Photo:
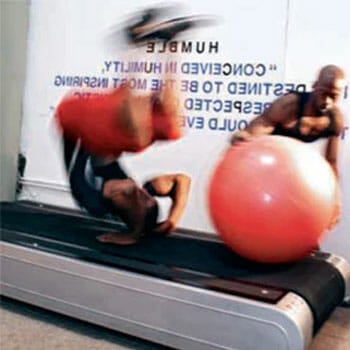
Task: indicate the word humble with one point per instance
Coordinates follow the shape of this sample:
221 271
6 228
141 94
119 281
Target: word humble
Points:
199 47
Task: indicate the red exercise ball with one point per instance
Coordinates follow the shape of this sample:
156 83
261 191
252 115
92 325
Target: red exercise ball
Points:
272 198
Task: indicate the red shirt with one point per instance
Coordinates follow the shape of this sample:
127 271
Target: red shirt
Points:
102 126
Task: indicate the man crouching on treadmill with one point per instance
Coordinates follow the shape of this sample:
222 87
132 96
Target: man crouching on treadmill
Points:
102 187
97 130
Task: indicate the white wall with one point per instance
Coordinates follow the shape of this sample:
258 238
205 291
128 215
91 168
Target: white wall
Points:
67 38
13 41
318 34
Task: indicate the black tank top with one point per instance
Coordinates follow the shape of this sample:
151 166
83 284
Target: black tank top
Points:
294 132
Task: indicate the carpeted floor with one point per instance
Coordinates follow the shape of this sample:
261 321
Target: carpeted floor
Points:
24 327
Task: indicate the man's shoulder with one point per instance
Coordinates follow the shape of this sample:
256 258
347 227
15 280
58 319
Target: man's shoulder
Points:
338 117
286 105
338 112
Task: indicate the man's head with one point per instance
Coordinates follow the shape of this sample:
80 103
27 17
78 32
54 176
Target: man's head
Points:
328 88
133 204
143 208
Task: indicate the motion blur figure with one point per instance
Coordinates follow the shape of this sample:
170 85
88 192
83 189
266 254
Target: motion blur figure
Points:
98 129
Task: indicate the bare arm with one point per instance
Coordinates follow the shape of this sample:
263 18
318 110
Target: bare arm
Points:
333 144
280 111
332 151
332 156
177 187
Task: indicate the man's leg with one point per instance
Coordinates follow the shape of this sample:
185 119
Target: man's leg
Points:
148 16
139 106
83 188
137 113
149 30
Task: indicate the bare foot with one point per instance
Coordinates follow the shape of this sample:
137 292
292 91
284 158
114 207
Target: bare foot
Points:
117 238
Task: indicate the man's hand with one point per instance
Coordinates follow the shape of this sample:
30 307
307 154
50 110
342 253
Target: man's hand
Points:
336 216
164 228
337 212
239 136
177 187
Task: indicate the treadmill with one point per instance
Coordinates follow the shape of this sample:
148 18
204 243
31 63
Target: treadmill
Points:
185 291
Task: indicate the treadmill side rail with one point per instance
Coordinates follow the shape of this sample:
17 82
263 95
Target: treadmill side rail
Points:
343 267
165 312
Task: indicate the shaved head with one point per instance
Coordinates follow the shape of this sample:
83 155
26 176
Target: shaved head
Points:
329 76
328 88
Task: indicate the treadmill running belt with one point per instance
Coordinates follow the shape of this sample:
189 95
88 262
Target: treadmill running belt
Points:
203 256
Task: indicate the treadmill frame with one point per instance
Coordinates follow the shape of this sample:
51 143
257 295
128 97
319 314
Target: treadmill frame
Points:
165 312
175 313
